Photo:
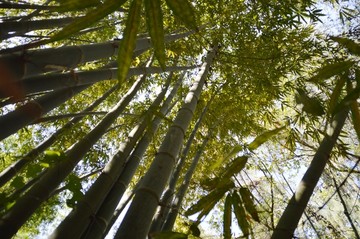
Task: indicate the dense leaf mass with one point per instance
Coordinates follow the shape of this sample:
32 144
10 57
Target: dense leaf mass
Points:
198 117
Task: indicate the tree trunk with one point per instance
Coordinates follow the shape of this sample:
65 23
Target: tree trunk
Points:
26 26
27 204
105 212
168 195
137 221
297 204
54 118
70 79
174 208
24 115
11 171
34 62
79 219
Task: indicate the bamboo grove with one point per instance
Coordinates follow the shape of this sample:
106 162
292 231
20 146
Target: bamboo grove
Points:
179 119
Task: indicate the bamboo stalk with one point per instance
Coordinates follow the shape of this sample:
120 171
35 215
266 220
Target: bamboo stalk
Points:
26 205
78 220
137 220
297 204
103 218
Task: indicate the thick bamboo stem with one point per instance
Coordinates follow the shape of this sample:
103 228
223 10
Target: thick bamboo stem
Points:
24 115
137 221
12 170
297 204
64 80
19 28
79 219
105 213
26 205
34 62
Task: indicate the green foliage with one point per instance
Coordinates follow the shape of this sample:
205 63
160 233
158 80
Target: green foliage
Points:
52 157
259 140
128 43
194 230
33 170
352 96
184 10
247 199
225 175
330 70
335 96
206 204
76 5
355 113
75 187
311 105
240 214
154 20
351 45
18 182
89 19
265 54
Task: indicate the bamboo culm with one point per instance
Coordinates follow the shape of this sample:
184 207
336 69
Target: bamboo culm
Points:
105 212
26 205
137 221
177 201
297 204
79 219
169 193
34 109
26 26
64 80
12 170
34 62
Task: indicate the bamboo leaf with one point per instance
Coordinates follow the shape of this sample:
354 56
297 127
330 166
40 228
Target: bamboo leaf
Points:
352 46
247 198
195 230
33 170
74 186
184 11
89 19
18 182
155 25
208 202
227 217
52 156
168 235
206 211
204 203
334 98
240 214
330 70
235 150
352 96
128 43
235 167
311 105
355 113
264 137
